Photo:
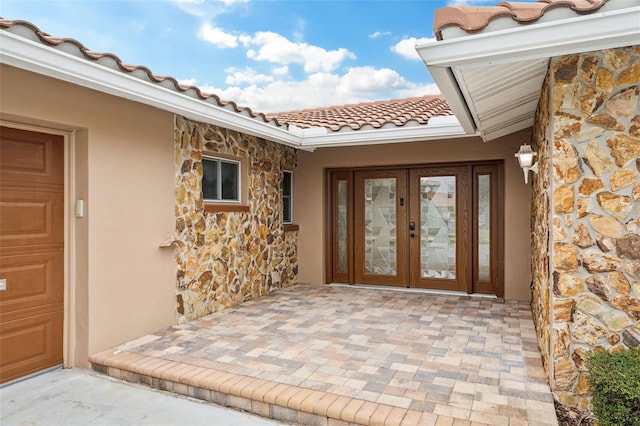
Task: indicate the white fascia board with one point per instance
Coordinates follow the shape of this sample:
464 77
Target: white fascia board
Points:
598 31
32 56
451 91
308 131
386 136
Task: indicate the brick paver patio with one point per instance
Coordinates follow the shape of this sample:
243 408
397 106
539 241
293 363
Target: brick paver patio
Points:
338 355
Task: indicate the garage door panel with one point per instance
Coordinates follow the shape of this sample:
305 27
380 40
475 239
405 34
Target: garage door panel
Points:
31 217
31 344
31 251
31 280
33 156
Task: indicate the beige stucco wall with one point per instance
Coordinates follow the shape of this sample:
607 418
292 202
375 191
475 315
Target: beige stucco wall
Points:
122 284
309 201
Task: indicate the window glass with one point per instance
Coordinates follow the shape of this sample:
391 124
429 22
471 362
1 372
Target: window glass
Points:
484 227
229 174
220 179
209 179
342 226
287 184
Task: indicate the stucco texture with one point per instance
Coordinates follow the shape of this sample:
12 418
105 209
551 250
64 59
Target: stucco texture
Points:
119 158
310 204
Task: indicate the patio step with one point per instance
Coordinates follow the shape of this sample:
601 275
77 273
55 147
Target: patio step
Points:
278 401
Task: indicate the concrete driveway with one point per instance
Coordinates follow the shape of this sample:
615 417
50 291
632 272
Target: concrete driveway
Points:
77 397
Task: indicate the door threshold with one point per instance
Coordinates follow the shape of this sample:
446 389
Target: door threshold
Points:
415 290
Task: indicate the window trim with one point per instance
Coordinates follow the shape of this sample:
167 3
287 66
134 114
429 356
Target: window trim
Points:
222 202
218 206
290 196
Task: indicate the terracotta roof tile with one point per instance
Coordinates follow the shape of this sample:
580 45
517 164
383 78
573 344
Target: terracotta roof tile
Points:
475 18
378 114
110 60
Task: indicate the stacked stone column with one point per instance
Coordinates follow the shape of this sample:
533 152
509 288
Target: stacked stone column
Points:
587 134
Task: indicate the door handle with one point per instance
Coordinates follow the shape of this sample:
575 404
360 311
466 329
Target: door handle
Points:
412 226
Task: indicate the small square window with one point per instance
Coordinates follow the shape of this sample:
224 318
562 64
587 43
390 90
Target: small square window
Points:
220 179
287 192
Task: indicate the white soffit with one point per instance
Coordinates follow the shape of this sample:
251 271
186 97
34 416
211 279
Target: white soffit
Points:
503 97
492 80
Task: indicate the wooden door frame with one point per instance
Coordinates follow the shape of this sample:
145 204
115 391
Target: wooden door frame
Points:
500 231
331 230
496 247
400 279
75 302
463 228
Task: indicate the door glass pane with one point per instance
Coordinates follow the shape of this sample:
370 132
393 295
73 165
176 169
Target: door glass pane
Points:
380 226
342 226
438 227
484 227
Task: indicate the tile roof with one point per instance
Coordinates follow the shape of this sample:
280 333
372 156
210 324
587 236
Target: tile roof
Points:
30 31
475 18
368 115
354 117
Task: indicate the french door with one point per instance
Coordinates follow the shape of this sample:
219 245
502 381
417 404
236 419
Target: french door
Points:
434 227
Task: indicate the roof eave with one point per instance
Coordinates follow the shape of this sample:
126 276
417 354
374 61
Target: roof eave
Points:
597 31
22 53
439 128
32 56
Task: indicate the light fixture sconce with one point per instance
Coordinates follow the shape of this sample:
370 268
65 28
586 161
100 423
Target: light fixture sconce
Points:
525 158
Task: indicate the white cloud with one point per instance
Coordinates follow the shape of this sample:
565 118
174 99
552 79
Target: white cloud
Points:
217 37
298 33
407 47
192 7
378 34
187 82
324 89
273 47
371 82
245 76
207 9
232 2
280 71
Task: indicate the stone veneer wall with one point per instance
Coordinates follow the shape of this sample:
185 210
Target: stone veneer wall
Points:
226 258
540 191
592 133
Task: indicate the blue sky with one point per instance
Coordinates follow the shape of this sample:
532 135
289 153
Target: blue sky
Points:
268 55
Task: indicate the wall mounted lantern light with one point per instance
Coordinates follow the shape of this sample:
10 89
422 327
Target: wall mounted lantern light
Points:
525 158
